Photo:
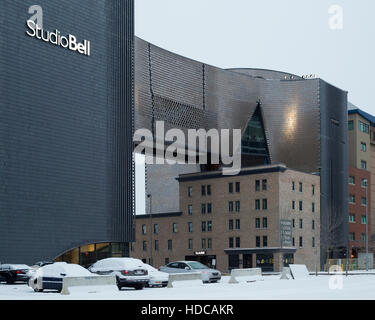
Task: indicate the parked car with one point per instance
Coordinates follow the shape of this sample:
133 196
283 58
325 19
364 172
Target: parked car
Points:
11 273
208 274
50 276
129 272
157 278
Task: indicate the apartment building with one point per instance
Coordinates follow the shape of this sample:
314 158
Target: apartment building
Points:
267 216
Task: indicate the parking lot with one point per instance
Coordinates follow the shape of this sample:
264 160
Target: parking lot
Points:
360 287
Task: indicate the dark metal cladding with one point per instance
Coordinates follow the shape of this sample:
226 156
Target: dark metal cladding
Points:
66 169
296 114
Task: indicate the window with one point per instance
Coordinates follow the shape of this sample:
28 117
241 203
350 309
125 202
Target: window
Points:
293 205
231 243
203 226
350 125
203 208
351 236
351 180
209 243
174 227
300 187
294 223
264 223
264 184
190 227
156 228
257 185
293 242
300 206
208 189
156 245
144 245
257 204
363 201
230 203
352 217
363 219
293 186
190 210
209 207
169 244
144 229
203 190
190 244
300 242
363 165
190 191
203 243
237 206
257 223
238 242
230 187
363 147
257 241
363 127
352 198
300 223
313 207
237 187
313 225
363 236
264 204
364 183
238 224
313 242
230 224
209 226
264 241
313 189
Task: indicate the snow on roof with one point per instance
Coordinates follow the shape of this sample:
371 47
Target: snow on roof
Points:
59 268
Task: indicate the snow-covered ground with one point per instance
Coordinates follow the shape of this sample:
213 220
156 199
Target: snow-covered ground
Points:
353 287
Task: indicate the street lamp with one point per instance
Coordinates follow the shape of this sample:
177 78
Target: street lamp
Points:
150 197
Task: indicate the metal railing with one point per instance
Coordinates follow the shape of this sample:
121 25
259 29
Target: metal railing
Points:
347 264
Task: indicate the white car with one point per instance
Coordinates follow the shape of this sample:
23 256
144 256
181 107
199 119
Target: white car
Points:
157 278
129 272
50 277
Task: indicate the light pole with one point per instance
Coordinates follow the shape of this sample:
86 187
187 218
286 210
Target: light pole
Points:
366 181
150 197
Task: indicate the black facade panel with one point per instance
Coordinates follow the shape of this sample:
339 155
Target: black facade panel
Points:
66 121
334 171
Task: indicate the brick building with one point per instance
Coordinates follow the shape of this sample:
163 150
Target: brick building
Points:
267 216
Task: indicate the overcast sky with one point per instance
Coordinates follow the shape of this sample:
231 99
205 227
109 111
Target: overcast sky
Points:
286 35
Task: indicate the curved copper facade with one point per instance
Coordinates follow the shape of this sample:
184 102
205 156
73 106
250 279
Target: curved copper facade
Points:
300 116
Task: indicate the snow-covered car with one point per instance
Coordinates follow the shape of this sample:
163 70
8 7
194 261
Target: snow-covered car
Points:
208 274
157 278
129 272
12 273
50 276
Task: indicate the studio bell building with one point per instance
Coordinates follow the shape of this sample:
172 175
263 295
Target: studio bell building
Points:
75 83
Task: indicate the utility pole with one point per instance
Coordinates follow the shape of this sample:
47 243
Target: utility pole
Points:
150 196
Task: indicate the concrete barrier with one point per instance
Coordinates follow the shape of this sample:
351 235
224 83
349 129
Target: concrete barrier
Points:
285 275
184 279
245 275
299 271
92 284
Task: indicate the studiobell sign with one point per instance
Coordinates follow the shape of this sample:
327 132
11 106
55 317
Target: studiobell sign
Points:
68 42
